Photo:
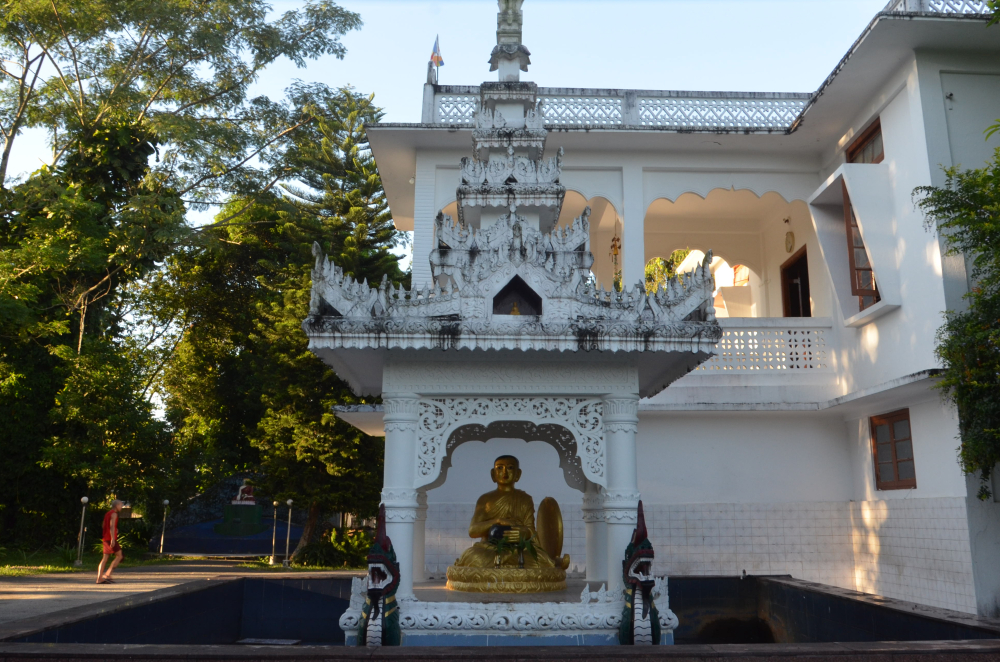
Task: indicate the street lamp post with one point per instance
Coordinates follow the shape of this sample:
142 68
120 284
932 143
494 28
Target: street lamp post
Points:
79 538
274 534
288 536
163 531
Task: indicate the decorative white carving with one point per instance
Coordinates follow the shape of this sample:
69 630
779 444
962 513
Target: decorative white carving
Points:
440 417
767 113
457 313
511 170
728 113
393 497
457 108
625 409
980 7
601 595
597 612
586 111
400 426
396 514
620 507
765 349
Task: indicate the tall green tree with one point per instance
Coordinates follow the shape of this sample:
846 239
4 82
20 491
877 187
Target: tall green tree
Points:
147 110
967 211
242 384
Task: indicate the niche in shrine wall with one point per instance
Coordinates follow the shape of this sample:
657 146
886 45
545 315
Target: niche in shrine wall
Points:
469 475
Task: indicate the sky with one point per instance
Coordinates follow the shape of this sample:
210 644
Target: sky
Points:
731 45
714 45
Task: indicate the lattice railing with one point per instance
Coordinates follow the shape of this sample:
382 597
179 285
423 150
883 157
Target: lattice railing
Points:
768 349
719 113
583 111
456 108
607 108
939 6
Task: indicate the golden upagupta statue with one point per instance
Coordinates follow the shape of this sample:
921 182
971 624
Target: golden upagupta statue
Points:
507 506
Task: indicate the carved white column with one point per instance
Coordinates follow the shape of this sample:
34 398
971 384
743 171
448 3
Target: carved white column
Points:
398 495
597 533
621 420
420 539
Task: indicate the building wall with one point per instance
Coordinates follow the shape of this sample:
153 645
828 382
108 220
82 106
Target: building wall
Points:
762 492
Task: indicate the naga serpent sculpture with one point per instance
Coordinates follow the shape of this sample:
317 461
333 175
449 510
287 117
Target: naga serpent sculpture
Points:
379 625
640 618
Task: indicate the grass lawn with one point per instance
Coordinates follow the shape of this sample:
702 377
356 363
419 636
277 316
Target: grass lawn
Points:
263 563
18 563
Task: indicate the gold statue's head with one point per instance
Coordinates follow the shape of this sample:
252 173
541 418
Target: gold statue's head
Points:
506 471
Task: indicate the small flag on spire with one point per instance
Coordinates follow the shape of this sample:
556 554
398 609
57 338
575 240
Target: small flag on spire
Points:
436 58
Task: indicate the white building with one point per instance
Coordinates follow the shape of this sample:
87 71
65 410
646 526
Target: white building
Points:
813 442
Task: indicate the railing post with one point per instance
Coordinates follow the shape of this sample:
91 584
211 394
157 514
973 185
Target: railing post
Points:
630 109
428 114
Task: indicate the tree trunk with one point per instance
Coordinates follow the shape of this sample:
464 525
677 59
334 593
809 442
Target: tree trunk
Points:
309 529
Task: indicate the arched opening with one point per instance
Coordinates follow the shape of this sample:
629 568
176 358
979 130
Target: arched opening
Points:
517 298
751 237
605 225
737 287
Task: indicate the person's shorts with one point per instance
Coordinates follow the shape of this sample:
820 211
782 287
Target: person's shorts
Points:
109 548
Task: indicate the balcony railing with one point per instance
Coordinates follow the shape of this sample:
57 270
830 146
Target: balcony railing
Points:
770 345
690 111
939 6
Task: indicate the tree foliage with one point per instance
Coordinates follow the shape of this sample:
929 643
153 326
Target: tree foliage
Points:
659 270
967 211
243 386
147 108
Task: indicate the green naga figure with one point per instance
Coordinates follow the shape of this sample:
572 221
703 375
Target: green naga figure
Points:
640 619
379 624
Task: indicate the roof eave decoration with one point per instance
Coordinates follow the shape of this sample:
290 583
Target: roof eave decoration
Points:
470 268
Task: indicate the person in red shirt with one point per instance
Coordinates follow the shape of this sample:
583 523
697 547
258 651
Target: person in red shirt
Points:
109 542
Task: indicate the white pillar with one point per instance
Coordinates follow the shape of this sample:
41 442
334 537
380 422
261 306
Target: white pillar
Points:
398 495
597 534
621 420
633 227
420 539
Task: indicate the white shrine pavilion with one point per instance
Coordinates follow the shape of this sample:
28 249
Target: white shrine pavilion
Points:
774 408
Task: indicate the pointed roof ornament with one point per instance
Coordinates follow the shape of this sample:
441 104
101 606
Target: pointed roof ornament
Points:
381 539
639 533
510 57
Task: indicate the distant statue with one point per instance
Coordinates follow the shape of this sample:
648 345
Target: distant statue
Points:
244 496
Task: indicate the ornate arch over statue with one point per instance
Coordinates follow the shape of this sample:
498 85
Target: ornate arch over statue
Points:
573 426
558 436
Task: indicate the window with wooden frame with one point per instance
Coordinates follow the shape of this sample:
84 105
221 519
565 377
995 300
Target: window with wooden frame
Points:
867 148
892 449
863 283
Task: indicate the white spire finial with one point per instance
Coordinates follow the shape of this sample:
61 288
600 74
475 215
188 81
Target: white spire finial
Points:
510 56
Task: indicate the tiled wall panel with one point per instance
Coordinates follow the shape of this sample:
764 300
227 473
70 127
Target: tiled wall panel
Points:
914 549
910 549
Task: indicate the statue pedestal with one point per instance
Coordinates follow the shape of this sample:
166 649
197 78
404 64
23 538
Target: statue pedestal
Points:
506 580
575 616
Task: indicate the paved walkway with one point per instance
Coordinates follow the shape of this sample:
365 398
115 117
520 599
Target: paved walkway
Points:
27 597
